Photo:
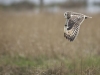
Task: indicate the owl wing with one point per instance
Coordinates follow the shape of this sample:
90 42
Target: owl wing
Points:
72 26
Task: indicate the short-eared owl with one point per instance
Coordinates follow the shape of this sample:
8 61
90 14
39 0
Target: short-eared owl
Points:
72 25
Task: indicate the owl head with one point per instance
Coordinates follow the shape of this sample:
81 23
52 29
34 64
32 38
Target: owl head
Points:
67 14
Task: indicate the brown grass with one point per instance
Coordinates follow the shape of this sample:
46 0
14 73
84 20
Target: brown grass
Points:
34 36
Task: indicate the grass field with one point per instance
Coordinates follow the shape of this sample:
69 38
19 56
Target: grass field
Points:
34 44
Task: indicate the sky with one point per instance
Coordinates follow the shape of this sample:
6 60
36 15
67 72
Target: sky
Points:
90 3
7 2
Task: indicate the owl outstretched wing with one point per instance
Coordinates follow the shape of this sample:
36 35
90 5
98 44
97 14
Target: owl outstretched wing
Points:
72 26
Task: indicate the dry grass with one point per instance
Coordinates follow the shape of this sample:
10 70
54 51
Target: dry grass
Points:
28 40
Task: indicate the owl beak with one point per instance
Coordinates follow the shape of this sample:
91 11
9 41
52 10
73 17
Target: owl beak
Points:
65 16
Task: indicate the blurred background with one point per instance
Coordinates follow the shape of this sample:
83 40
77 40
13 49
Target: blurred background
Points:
32 40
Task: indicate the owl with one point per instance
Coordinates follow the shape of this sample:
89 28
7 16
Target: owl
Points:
72 24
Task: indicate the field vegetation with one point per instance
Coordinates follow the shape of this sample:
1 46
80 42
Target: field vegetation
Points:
34 44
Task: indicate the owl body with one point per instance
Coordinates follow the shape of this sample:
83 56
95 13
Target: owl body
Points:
72 24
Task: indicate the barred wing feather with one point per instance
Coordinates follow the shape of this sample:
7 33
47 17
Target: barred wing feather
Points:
72 26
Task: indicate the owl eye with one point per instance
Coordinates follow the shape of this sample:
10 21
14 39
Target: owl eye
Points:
65 14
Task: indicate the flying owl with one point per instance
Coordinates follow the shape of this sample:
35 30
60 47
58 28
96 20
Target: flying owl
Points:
72 24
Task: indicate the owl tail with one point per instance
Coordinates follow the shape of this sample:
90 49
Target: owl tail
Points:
87 17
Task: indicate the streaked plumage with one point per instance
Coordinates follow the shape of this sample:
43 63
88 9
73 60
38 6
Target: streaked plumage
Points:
72 25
